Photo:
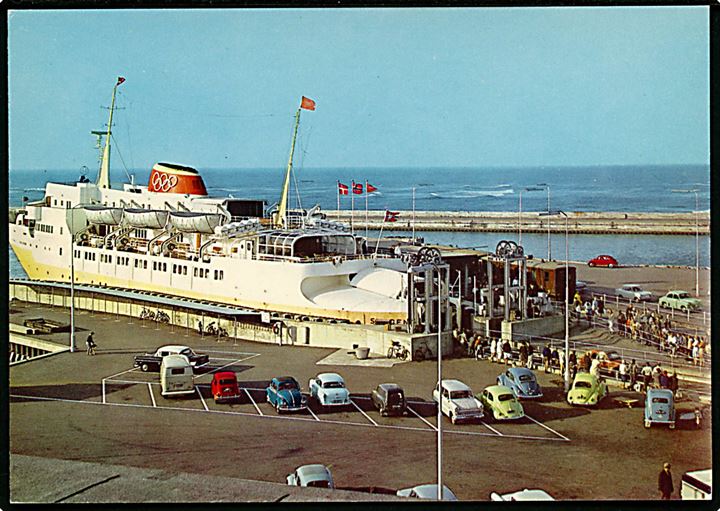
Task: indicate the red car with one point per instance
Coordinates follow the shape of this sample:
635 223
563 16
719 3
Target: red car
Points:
224 386
603 260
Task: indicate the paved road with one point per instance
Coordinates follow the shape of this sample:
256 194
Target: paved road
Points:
573 453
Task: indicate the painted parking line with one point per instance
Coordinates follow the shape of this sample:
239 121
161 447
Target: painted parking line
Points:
284 417
236 353
362 412
121 372
313 414
152 396
491 428
422 418
548 428
202 399
253 402
234 361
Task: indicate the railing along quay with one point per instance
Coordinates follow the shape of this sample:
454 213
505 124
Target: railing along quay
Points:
532 222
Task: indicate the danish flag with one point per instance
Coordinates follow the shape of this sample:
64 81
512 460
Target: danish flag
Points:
391 216
342 189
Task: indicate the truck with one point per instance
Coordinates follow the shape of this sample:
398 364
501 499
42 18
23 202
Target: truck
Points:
151 361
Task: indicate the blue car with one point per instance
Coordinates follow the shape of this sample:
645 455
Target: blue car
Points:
659 408
285 395
522 382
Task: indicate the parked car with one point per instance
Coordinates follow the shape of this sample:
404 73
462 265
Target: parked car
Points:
176 376
587 390
426 491
522 495
317 476
633 292
603 260
458 401
152 361
679 300
329 390
224 387
522 382
501 401
389 399
659 408
285 395
609 361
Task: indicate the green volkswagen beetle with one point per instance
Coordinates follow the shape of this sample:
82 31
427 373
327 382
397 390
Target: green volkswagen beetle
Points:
587 390
502 402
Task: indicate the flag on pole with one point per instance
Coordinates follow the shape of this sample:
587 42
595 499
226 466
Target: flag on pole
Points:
307 103
120 80
357 188
369 188
391 216
342 189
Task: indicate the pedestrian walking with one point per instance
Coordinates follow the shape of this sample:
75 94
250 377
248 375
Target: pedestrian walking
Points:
506 352
633 370
523 354
493 349
546 357
200 327
622 372
595 367
90 343
665 483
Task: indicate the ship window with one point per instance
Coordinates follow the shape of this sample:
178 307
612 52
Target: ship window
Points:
144 265
184 270
164 266
109 259
68 204
221 274
174 268
195 272
61 230
62 203
207 272
154 265
60 250
215 275
55 202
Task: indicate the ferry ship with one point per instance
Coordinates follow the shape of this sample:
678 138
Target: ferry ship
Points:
171 237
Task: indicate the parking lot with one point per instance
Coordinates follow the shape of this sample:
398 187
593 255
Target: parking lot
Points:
100 409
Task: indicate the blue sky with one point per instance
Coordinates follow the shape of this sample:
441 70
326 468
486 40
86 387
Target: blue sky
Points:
401 87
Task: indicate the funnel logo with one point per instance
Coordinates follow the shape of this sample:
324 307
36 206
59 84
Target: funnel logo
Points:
162 182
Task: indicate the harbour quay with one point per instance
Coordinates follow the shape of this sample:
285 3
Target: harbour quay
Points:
579 222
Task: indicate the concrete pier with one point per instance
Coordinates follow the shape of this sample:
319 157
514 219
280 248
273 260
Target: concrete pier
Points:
579 222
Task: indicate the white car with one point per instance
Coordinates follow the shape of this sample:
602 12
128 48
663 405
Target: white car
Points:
633 292
426 491
522 495
329 390
458 401
317 476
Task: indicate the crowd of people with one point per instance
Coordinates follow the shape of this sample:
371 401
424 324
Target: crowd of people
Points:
643 326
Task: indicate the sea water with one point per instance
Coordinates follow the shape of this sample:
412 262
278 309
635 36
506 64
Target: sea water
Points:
600 188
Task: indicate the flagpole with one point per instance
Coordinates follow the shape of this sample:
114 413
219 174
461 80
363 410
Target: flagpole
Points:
413 218
366 209
352 207
377 245
338 200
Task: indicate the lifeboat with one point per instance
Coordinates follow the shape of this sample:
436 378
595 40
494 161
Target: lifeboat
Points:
103 215
146 218
173 178
204 223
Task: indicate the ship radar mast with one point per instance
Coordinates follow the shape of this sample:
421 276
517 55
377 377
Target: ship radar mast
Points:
103 180
281 215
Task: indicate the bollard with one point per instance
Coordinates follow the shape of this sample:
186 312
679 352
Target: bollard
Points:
703 317
688 315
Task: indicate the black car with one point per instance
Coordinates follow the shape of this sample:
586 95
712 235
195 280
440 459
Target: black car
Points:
389 399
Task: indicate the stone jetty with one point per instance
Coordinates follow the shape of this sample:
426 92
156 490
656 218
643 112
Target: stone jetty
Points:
579 222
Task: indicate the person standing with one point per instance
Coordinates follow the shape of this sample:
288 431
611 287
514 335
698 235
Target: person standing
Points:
493 348
622 372
633 373
90 343
546 357
200 327
665 483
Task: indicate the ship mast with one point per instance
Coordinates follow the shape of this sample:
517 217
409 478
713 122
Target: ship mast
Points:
281 218
103 180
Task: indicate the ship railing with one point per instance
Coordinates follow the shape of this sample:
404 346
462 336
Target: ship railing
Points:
319 259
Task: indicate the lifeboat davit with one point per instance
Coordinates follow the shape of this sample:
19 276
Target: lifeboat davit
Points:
173 178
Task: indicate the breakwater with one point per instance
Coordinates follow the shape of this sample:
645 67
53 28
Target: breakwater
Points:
578 222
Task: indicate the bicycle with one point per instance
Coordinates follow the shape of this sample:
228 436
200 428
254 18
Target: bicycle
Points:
398 351
162 317
423 352
219 331
147 314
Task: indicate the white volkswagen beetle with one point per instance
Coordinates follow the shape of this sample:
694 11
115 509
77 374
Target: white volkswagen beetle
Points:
316 475
458 401
329 390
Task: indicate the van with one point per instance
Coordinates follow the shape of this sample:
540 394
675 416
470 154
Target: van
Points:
176 376
697 485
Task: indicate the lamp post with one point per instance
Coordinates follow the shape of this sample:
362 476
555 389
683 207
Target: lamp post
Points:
439 371
547 186
697 238
529 189
566 376
73 232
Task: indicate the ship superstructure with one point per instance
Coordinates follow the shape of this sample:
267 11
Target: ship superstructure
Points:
171 237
